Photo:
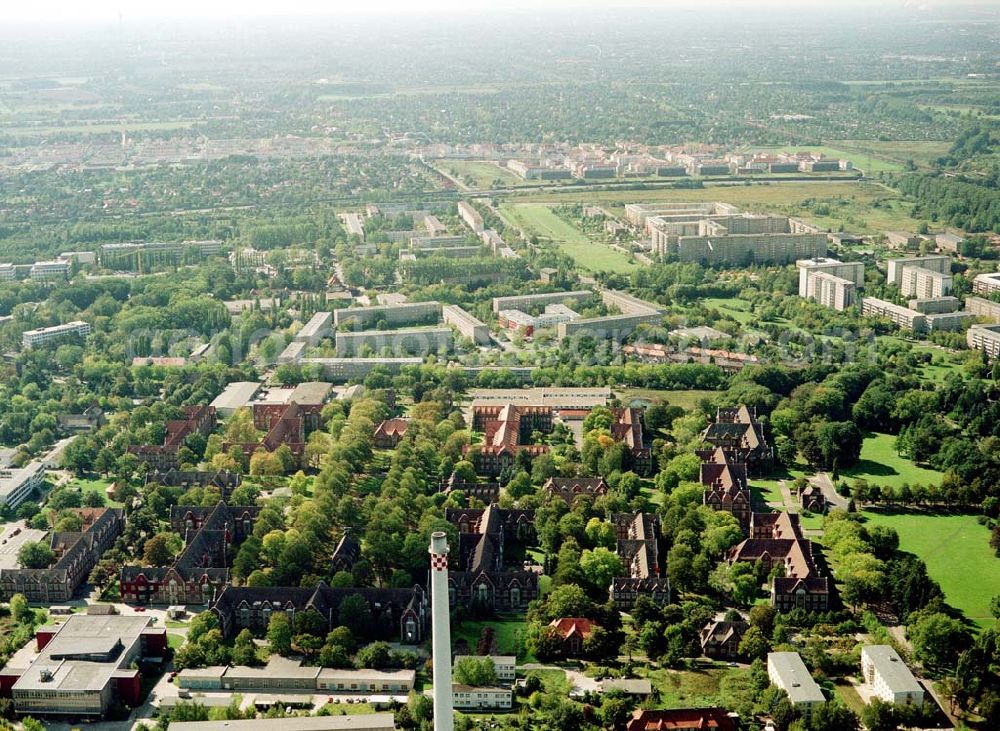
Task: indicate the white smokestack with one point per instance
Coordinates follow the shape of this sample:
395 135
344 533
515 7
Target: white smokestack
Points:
444 714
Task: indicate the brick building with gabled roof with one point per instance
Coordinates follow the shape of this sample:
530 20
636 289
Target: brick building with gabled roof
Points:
638 547
395 613
212 534
568 489
724 477
390 432
681 719
197 419
574 631
737 429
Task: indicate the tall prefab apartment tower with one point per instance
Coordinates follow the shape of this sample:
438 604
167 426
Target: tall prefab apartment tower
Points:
444 714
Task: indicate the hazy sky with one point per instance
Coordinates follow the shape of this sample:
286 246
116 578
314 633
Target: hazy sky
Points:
105 10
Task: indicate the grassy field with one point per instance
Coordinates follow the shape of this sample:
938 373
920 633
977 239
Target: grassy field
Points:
921 152
174 640
506 628
957 552
687 400
684 688
737 309
880 464
538 219
860 160
483 173
861 207
97 485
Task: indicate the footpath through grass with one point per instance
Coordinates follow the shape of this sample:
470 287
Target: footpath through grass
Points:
956 549
538 219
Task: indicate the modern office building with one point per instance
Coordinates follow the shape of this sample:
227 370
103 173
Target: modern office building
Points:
467 325
17 484
901 316
283 675
895 267
984 338
84 665
32 338
787 671
889 678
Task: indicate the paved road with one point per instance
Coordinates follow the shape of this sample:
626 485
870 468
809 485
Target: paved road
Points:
579 680
823 481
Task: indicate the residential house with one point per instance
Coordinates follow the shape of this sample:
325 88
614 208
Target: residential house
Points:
574 632
720 640
89 419
390 432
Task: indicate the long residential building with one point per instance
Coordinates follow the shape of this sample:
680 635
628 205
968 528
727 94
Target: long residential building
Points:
353 722
983 308
889 678
471 216
410 313
39 336
787 671
986 283
467 325
830 282
985 338
410 341
356 369
534 301
49 270
923 283
638 214
282 674
901 316
316 329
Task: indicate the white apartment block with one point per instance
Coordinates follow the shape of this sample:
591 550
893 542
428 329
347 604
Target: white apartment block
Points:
17 485
787 671
504 665
853 271
924 283
986 283
889 678
31 338
894 267
468 697
48 270
984 338
901 316
527 301
983 308
8 272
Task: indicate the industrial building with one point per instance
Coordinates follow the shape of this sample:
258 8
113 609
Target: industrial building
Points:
410 313
901 316
84 666
411 341
283 674
984 338
77 328
234 397
467 325
787 671
889 678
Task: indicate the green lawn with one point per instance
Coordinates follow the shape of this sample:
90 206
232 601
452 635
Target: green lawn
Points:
696 688
538 219
737 309
483 173
880 464
174 640
858 156
957 552
506 628
98 485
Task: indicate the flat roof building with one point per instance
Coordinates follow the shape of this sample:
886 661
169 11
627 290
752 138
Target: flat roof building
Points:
350 369
890 680
986 283
84 666
356 722
235 396
77 328
937 305
17 484
983 308
318 327
467 325
531 301
853 271
901 316
924 283
408 341
984 338
894 267
787 671
471 216
410 313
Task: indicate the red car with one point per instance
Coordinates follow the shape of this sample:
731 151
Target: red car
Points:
140 609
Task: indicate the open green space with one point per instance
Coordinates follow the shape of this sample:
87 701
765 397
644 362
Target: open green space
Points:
956 549
93 484
880 464
694 688
738 309
511 633
868 163
485 174
687 400
538 219
922 152
174 640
